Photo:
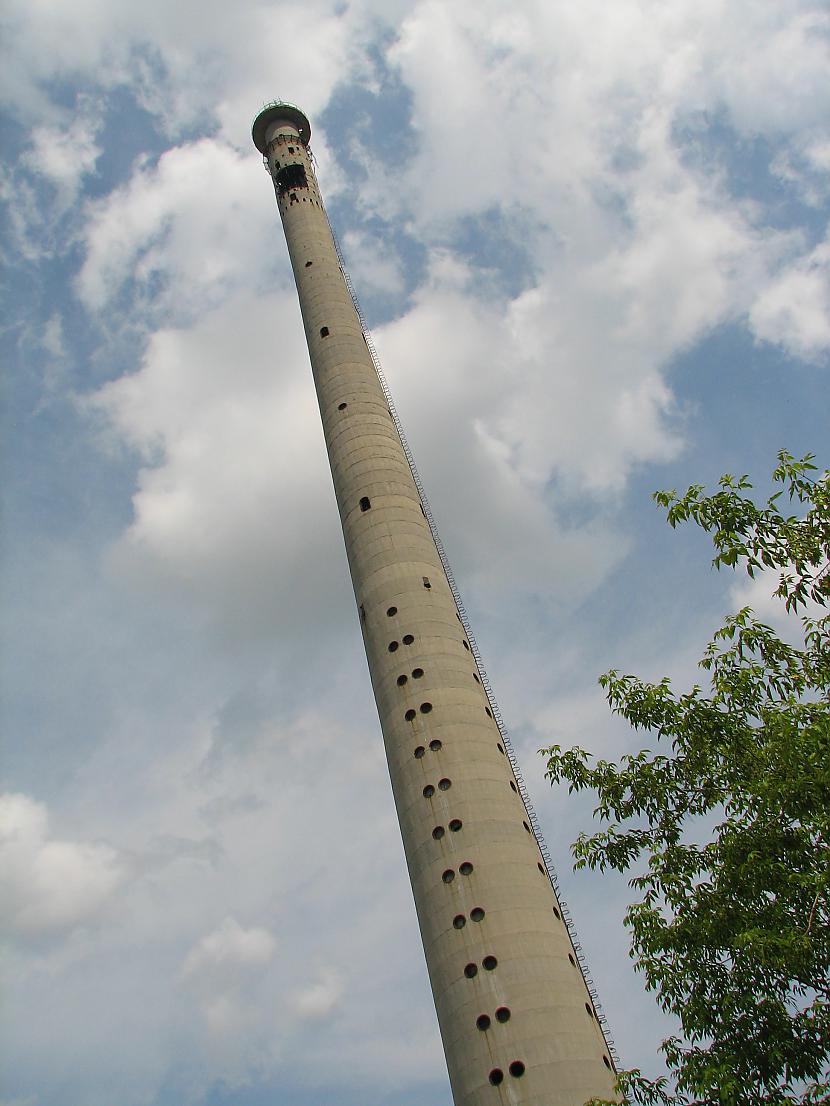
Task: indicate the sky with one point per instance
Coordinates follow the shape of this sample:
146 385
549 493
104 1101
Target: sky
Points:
591 241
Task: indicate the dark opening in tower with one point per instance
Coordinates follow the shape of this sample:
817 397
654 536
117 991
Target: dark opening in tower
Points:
289 177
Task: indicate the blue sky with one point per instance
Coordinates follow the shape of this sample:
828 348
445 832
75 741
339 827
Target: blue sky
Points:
592 244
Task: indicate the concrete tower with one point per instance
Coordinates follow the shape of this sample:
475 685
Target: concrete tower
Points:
517 1019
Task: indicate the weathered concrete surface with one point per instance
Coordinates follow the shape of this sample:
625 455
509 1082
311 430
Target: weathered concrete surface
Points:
480 887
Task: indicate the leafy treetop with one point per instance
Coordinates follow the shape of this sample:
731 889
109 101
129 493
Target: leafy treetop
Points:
728 821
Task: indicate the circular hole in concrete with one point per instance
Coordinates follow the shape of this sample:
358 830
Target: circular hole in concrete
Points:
455 825
470 970
410 715
489 963
477 914
402 680
503 1014
417 673
482 1022
438 832
429 791
407 639
466 868
459 921
391 611
496 1076
516 1069
341 406
444 784
426 708
435 745
419 752
448 876
392 646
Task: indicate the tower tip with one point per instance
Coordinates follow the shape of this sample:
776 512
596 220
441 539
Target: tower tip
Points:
273 112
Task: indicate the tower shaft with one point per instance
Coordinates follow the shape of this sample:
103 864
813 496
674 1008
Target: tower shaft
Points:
516 1019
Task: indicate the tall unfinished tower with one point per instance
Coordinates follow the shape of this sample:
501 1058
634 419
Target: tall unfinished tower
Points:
518 1020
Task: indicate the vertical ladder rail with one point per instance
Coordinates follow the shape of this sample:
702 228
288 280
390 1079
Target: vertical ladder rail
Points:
485 682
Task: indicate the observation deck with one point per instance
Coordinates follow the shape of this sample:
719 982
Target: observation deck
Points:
272 113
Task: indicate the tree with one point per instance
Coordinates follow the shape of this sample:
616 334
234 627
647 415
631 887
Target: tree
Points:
726 820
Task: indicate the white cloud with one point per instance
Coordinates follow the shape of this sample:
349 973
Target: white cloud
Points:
66 150
319 999
215 971
637 251
372 263
49 886
191 221
793 310
189 63
233 507
229 949
569 88
226 972
805 171
25 216
818 154
682 266
53 337
531 393
778 83
458 425
642 258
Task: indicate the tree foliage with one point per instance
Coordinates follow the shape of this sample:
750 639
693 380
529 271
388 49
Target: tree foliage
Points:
726 820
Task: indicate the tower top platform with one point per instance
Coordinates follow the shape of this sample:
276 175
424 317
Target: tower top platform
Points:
271 113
